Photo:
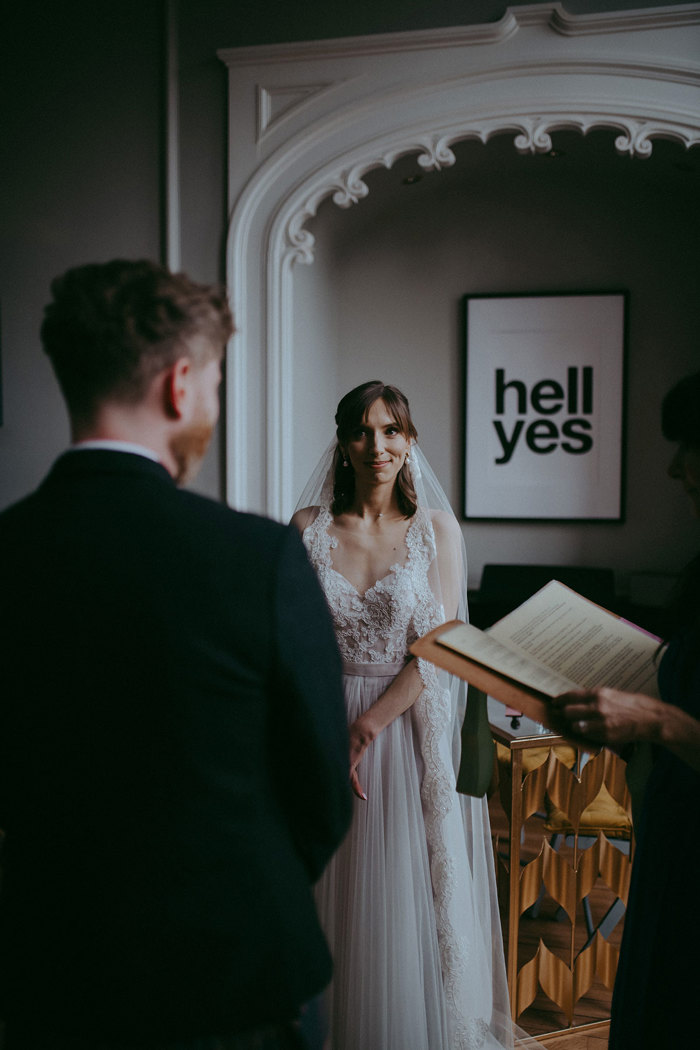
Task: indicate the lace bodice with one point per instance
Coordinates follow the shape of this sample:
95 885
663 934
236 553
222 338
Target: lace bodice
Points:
378 626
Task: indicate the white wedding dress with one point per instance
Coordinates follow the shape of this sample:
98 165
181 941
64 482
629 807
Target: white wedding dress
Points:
408 901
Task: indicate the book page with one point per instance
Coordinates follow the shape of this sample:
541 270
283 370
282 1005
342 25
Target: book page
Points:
557 640
485 649
581 641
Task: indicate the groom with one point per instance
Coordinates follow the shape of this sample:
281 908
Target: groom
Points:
173 750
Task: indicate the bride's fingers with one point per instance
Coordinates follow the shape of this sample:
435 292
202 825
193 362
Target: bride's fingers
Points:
356 786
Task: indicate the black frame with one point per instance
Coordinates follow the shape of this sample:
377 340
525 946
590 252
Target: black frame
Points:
479 360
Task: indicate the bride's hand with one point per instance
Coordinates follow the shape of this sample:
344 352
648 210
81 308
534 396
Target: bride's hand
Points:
361 736
356 785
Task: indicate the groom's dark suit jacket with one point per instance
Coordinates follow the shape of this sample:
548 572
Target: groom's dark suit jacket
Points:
173 758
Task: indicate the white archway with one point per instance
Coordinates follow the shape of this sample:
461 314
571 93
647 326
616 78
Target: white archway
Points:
311 120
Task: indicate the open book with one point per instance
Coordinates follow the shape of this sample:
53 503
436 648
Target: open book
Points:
555 641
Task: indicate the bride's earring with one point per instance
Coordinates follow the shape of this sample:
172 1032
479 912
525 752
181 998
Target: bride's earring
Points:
345 463
408 458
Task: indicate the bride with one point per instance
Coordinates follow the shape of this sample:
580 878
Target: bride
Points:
408 902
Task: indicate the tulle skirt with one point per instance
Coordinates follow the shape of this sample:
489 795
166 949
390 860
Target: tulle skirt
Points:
376 905
375 899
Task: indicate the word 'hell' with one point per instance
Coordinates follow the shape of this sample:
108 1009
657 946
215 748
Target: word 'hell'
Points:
547 398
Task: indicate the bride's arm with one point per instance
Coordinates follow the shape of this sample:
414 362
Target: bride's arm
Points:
401 694
408 684
303 518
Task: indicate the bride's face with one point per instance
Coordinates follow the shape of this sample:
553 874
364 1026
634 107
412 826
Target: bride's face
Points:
377 447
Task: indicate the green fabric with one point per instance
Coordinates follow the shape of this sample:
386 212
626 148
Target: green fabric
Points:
478 748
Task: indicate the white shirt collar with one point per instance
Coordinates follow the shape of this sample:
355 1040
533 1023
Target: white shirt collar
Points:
116 446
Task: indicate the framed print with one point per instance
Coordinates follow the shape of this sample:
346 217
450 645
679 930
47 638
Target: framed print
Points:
545 406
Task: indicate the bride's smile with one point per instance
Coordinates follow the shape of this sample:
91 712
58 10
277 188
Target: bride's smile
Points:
377 448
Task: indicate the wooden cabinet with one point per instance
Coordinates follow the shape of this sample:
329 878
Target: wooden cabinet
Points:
567 848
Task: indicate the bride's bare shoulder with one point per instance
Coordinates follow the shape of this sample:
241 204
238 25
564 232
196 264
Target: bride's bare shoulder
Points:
445 525
304 517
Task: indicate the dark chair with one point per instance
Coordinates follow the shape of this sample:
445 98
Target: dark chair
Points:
505 587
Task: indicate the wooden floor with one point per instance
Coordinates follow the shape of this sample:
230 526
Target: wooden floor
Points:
578 1040
543 1019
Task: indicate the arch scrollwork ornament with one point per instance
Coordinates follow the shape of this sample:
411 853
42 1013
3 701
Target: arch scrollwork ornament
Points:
538 70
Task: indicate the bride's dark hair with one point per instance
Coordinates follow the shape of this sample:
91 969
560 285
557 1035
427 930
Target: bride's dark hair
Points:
351 414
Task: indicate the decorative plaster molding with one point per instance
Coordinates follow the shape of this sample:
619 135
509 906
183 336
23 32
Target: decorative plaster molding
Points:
637 136
350 188
344 181
376 44
436 155
635 140
650 18
344 178
276 103
541 83
299 242
553 16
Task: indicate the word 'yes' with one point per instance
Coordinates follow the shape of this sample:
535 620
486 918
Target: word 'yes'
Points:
547 398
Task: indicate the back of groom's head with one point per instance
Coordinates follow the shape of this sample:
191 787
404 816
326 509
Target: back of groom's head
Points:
111 327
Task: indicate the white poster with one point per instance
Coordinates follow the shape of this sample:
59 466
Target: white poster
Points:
545 406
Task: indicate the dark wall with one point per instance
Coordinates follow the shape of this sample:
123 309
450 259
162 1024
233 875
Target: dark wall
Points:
81 161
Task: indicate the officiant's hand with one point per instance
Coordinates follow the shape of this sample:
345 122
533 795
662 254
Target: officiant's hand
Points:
608 716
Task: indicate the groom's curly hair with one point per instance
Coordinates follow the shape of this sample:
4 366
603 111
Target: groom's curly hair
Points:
352 412
113 326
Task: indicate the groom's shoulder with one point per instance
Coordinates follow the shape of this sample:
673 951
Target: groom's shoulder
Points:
13 518
218 517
